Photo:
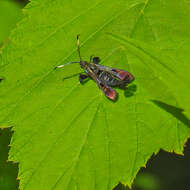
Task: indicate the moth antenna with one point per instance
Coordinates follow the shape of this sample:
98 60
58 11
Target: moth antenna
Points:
60 66
78 46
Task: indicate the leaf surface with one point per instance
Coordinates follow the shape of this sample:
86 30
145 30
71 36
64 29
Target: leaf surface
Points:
10 14
70 136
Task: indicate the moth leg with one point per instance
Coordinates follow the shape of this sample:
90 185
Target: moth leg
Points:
96 60
123 85
82 77
91 58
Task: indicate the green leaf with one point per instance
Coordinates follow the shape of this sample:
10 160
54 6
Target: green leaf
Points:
70 136
10 14
171 73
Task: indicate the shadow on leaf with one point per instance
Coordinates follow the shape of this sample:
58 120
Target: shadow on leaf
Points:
175 111
130 91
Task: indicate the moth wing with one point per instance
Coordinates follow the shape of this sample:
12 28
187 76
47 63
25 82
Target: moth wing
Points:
108 91
123 75
119 73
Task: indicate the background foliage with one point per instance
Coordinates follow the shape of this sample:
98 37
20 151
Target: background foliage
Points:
150 63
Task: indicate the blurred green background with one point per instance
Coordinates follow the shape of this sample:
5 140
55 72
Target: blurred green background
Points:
165 171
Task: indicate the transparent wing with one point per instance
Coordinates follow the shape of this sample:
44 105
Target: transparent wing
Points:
119 73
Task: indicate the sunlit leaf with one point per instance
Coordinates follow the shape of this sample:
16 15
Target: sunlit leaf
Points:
70 136
10 14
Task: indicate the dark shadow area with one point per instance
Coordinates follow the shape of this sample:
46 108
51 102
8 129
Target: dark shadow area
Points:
175 111
2 79
8 170
130 91
77 78
22 2
165 171
120 186
85 81
71 76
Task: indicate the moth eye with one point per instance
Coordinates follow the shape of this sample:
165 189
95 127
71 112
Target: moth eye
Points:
96 60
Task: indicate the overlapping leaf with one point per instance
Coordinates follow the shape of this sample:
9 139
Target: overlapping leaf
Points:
69 136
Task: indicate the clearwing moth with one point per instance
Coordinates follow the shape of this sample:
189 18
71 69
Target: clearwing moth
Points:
105 77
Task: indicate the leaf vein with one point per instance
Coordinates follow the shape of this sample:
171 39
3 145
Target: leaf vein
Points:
76 160
108 147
